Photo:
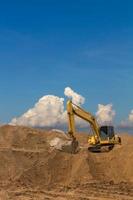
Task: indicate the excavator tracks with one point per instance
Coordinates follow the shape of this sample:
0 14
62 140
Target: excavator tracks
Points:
101 148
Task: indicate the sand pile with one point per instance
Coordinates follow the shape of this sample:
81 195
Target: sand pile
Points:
28 161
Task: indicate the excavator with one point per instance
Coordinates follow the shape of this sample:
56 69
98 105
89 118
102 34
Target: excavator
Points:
102 138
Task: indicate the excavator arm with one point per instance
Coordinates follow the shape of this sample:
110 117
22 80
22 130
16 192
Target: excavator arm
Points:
72 110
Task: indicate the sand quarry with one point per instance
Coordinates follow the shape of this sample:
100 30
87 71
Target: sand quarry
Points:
31 169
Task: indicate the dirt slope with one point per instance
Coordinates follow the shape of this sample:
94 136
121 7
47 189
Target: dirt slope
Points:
31 169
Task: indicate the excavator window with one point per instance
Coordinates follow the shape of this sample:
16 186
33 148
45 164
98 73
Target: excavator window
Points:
107 131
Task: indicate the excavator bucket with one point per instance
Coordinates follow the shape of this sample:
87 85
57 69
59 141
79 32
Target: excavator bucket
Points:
65 144
71 147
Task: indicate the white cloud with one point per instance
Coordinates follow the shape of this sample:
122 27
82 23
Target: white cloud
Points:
76 98
49 111
127 123
130 117
105 114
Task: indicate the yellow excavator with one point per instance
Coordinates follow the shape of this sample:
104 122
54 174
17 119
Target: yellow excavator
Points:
102 137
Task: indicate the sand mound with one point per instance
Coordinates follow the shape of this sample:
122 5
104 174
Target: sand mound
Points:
28 161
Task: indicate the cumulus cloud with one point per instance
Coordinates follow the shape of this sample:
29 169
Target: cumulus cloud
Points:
49 111
76 98
130 117
105 114
127 123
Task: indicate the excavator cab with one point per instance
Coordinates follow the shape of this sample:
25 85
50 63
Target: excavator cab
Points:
107 140
107 132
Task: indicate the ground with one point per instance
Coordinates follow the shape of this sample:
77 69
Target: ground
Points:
31 169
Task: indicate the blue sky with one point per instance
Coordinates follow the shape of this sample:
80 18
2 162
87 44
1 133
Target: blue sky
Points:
46 45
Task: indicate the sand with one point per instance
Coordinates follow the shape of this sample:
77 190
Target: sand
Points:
31 169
